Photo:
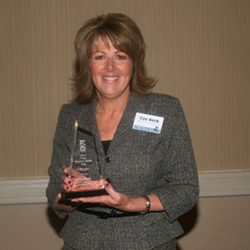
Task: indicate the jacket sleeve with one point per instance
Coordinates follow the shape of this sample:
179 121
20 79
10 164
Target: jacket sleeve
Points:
179 189
58 161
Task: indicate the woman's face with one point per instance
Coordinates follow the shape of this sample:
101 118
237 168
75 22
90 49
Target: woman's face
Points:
111 71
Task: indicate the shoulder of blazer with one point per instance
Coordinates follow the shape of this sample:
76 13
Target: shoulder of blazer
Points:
155 103
68 114
71 109
159 98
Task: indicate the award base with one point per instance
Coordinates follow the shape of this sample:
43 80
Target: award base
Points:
83 193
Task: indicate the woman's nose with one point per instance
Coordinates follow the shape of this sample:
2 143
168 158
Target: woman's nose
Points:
110 65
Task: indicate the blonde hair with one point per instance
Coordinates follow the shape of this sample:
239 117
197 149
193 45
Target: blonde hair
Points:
125 36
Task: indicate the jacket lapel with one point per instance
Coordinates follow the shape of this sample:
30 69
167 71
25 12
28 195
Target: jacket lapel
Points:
126 123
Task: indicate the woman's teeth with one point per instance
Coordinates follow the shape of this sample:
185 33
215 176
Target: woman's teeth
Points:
111 78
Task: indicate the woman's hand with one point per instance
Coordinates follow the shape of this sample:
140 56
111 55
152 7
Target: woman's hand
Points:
121 201
70 184
113 199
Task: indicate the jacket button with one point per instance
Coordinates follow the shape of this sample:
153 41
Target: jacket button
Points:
107 159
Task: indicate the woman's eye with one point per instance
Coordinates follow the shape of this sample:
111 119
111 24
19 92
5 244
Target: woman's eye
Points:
121 57
98 57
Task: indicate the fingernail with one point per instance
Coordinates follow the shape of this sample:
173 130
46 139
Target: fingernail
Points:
107 184
69 182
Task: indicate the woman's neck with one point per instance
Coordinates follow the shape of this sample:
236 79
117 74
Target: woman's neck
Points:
108 116
110 107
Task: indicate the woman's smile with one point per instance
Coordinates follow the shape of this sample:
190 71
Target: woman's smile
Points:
110 78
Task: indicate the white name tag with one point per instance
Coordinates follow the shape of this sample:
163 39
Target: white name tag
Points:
148 123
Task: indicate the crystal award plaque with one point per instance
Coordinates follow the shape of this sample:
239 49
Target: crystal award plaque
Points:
85 170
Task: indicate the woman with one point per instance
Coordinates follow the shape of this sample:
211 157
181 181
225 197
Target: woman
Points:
142 141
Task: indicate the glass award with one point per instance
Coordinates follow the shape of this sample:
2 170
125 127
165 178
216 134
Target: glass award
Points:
85 170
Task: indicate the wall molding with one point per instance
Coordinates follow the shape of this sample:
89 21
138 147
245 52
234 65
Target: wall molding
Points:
212 184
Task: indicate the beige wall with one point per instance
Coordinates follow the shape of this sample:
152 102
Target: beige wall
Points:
199 50
221 223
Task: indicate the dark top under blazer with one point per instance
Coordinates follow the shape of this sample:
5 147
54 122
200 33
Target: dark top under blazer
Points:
140 163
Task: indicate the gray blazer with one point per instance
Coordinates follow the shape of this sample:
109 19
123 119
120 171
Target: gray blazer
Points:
139 163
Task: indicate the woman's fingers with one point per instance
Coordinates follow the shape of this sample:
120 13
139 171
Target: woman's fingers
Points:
76 180
113 199
72 172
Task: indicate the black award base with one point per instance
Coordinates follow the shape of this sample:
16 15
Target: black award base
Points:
78 194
